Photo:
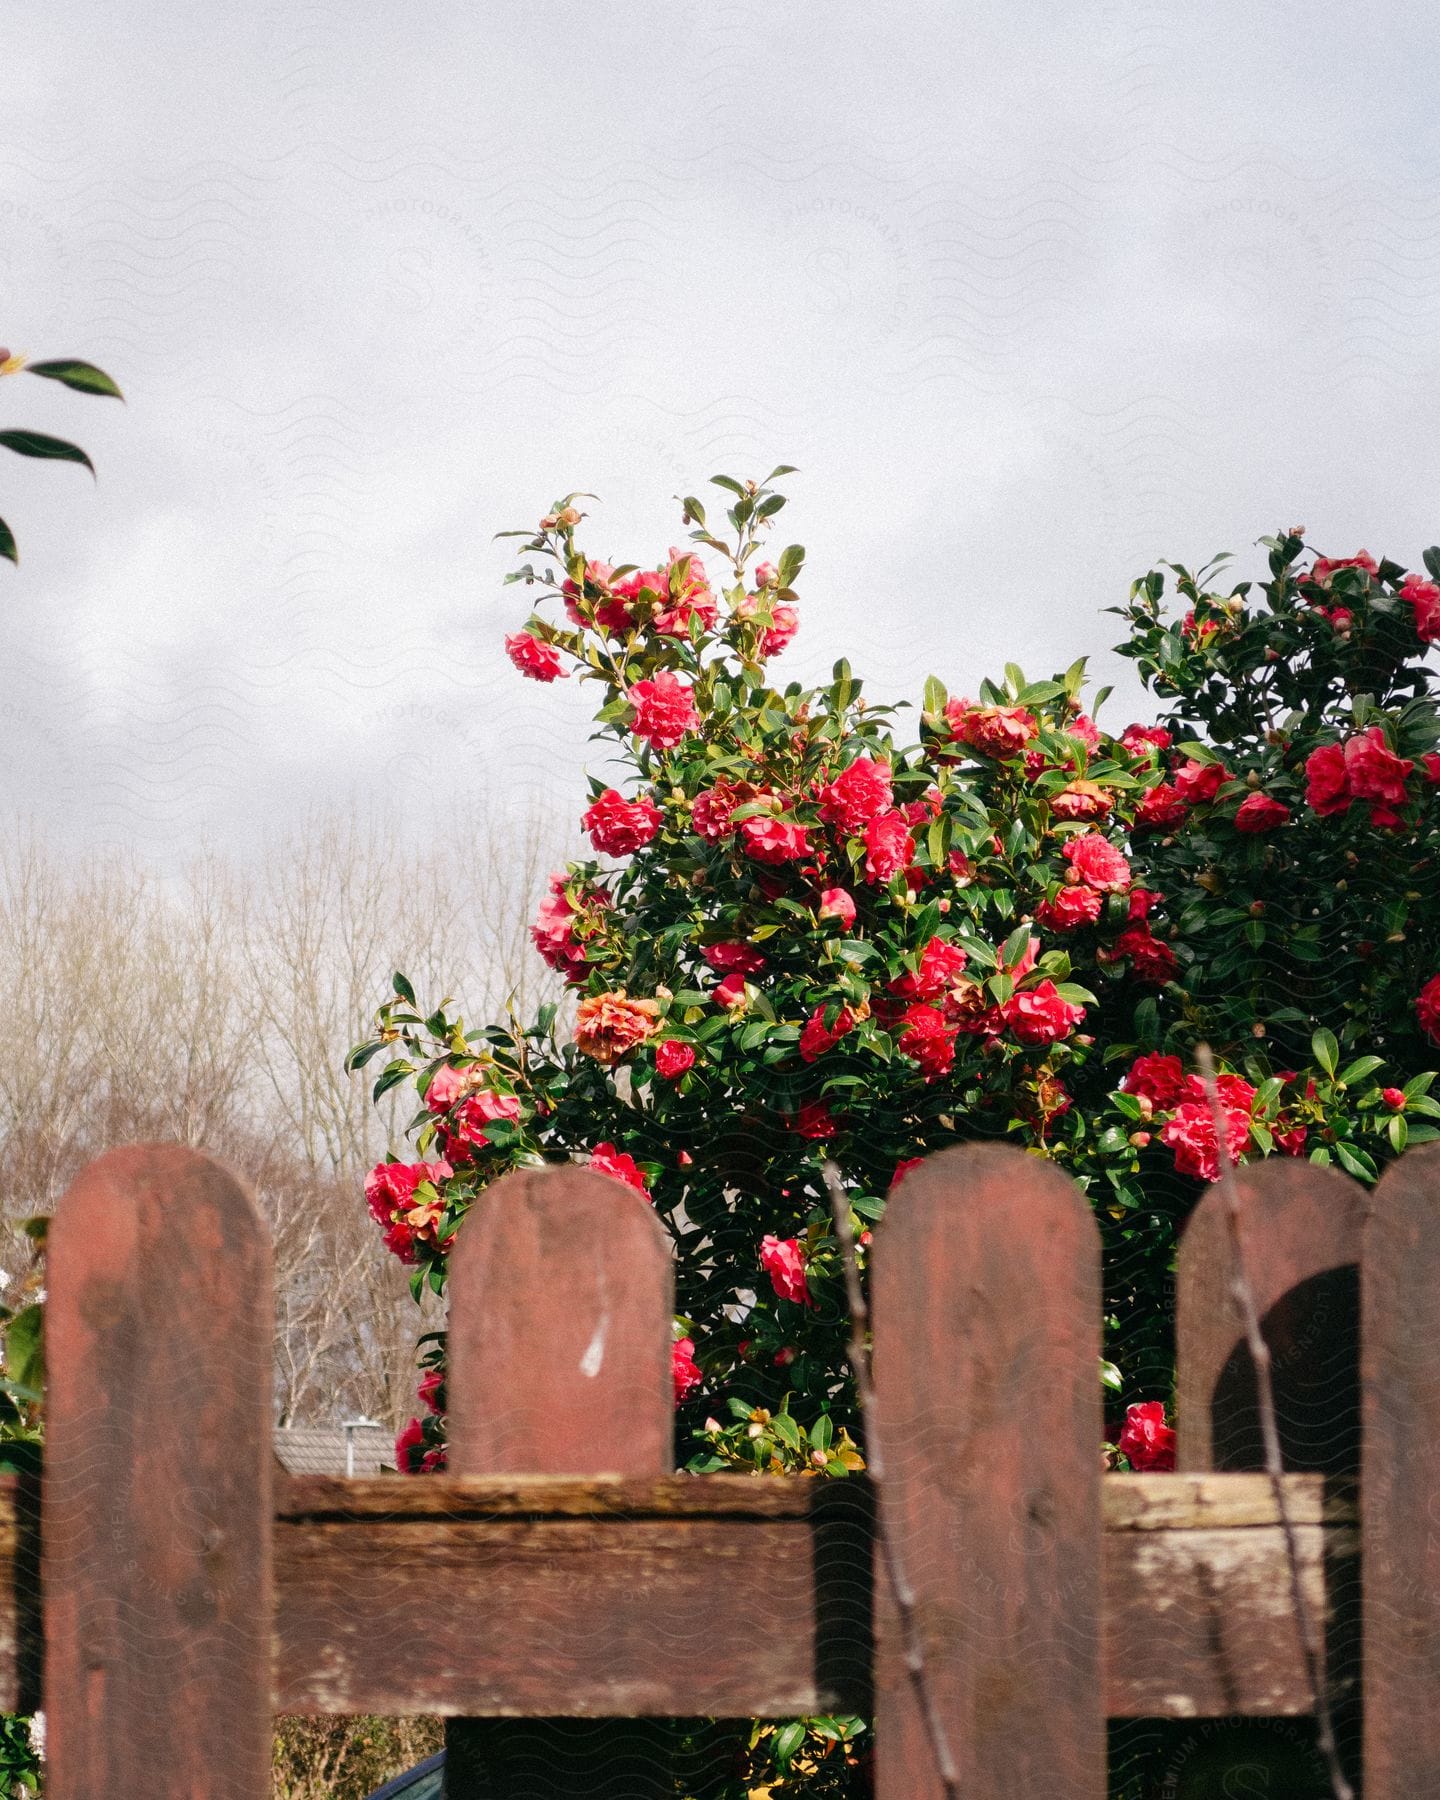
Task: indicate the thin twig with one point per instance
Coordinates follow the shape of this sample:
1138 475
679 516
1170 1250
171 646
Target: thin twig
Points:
858 1351
1244 1297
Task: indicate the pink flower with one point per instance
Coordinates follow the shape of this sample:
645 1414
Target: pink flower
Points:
534 659
1260 812
1326 785
395 1203
553 932
664 710
1325 566
724 958
784 623
685 596
684 1368
605 1159
710 811
1147 1441
1150 960
998 731
1158 1079
484 1107
1097 863
618 826
1081 802
730 992
838 904
818 1037
673 1058
929 806
941 965
1145 740
861 791
447 1084
770 840
888 847
1427 1007
765 574
1191 1135
1039 1015
1071 908
1196 782
928 1039
784 1262
1424 598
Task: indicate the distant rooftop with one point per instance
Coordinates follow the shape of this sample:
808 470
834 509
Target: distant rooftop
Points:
320 1449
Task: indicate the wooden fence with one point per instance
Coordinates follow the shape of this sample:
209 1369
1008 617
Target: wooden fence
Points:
173 1590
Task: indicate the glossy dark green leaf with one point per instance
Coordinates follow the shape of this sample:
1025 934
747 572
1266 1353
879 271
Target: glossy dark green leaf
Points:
83 376
35 443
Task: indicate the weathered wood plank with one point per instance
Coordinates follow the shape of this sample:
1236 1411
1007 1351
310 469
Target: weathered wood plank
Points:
157 1502
561 1301
986 1284
1196 1596
1302 1248
1400 1285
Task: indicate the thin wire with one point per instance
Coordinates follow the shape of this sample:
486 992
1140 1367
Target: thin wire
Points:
859 1354
1244 1296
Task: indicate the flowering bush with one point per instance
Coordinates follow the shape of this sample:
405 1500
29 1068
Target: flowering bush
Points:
827 928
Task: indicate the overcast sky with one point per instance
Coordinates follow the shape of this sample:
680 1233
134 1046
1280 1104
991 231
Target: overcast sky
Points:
1033 295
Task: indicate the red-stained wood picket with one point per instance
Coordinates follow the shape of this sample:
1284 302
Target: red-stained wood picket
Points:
561 1297
561 1592
1400 1479
157 1506
986 1288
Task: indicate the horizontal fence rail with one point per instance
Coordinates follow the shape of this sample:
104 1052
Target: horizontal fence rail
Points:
562 1585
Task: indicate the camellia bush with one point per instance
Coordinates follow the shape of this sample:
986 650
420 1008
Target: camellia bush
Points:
817 926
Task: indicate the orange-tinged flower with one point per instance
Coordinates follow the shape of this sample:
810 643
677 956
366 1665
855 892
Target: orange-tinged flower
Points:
609 1026
12 365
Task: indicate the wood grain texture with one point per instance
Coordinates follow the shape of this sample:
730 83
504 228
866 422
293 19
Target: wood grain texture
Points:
561 1300
157 1502
1196 1602
1302 1227
1400 1300
986 1296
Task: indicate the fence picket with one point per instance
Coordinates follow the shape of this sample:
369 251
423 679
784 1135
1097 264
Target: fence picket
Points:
561 1297
157 1500
1302 1227
986 1283
1400 1479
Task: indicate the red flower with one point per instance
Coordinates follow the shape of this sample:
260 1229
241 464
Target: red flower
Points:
859 792
1374 772
727 957
467 1124
1143 901
1394 1098
1325 566
814 1121
431 1383
1191 1135
838 904
407 1217
784 1262
1196 782
928 1039
1071 908
1427 1007
888 847
684 1368
1038 1015
553 932
409 1448
618 826
1158 1079
770 840
1150 960
903 1168
664 710
534 659
1292 1142
941 964
731 991
1327 789
1147 1440
1424 598
672 1058
998 731
1260 812
818 1037
1234 1092
930 805
1161 808
605 1159
1097 863
710 811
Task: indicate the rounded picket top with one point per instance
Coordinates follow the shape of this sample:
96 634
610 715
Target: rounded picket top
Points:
1301 1227
561 1306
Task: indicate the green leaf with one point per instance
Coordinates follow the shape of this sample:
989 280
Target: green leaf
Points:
792 558
821 1432
935 694
1399 1132
35 443
1356 1162
391 1076
7 543
788 1740
403 988
728 481
1326 1051
80 375
1110 1376
25 1348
